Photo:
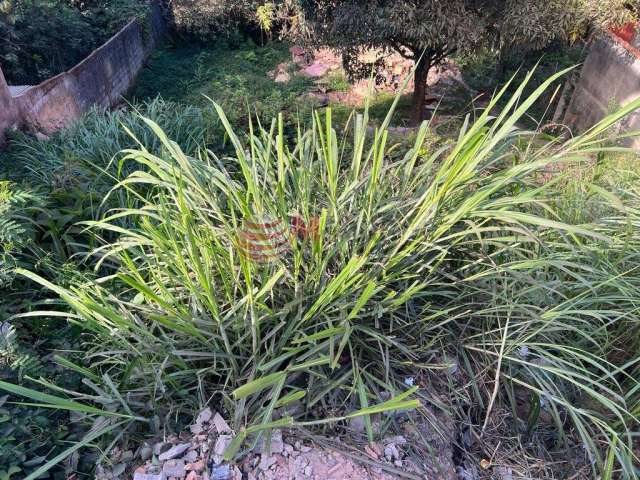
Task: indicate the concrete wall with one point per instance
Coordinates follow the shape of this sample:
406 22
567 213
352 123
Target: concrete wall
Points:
100 79
610 78
9 113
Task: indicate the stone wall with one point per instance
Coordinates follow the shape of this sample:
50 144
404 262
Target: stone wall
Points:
610 78
100 79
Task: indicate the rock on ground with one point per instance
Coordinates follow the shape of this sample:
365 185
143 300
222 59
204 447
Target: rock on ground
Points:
199 457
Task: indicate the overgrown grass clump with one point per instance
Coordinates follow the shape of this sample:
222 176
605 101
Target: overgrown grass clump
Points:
406 254
90 145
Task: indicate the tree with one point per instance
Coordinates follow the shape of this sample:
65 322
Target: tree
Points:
423 31
427 31
41 38
517 27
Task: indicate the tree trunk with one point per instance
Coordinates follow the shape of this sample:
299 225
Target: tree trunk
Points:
420 88
501 67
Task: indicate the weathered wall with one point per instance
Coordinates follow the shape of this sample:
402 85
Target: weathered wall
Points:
610 78
100 79
9 113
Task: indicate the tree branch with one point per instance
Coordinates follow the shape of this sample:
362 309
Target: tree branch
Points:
402 50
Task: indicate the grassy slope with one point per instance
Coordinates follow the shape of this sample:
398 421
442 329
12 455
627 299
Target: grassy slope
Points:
234 76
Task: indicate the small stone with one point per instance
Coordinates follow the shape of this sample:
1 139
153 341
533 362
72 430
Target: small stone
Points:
174 468
118 470
204 416
266 462
222 442
357 424
391 452
308 471
305 449
195 466
191 456
221 472
282 77
398 440
146 453
316 69
277 445
196 428
149 476
220 425
192 476
174 452
159 447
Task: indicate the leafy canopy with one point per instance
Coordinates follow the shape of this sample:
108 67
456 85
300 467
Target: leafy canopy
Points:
427 31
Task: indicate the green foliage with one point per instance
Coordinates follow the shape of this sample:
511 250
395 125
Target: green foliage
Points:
41 38
208 18
265 16
16 232
430 31
73 159
337 82
236 77
486 70
57 184
525 25
458 250
29 434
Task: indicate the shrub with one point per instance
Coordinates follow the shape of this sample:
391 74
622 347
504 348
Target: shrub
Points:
207 18
389 259
337 82
41 38
79 155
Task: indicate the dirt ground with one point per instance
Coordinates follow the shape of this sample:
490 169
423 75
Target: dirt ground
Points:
445 81
420 451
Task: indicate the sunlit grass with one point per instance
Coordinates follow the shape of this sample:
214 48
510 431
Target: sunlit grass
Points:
459 248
